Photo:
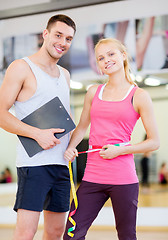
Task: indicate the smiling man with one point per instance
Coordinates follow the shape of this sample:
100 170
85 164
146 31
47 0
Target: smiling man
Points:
43 180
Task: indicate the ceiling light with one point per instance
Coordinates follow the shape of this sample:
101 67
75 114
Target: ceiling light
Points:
76 85
132 76
139 78
150 81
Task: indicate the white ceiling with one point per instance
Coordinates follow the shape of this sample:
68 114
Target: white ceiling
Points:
9 9
8 4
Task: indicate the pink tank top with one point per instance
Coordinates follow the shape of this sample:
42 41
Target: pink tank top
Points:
111 123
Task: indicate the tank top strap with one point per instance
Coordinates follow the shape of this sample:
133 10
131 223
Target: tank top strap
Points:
98 91
30 63
33 67
62 76
61 72
131 94
60 69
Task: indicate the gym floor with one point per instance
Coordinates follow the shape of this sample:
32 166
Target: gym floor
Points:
156 196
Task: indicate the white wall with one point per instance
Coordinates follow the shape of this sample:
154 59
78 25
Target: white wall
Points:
7 151
89 15
161 114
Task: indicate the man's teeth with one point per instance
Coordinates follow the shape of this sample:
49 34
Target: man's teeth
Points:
59 49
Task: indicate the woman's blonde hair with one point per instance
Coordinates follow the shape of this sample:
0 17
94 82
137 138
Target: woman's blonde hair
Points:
122 49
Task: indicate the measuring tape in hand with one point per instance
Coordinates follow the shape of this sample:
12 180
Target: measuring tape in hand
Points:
75 201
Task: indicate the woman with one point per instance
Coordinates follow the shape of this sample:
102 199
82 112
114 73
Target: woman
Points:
112 109
163 174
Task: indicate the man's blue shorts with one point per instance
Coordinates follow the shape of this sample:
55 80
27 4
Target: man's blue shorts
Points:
43 188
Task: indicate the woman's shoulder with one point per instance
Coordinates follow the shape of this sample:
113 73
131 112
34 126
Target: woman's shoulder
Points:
142 98
93 88
92 91
141 93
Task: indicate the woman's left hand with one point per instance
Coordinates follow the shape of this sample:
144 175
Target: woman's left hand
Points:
110 151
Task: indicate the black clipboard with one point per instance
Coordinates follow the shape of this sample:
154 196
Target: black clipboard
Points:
51 115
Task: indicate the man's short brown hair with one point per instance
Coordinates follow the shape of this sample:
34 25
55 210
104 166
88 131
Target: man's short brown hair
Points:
61 18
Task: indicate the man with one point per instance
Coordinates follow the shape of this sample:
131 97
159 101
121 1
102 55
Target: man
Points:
43 180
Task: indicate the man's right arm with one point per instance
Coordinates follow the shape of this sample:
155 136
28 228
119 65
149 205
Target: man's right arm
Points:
11 87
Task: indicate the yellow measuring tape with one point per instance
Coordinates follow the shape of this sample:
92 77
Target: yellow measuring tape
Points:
75 201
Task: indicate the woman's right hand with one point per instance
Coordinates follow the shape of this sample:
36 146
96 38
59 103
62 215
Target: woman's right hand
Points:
70 154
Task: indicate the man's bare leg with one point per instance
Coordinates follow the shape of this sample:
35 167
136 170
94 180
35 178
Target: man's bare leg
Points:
54 225
26 225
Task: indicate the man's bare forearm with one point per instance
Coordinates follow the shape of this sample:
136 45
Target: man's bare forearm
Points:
13 125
